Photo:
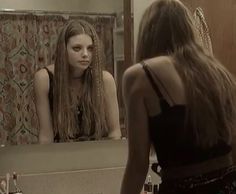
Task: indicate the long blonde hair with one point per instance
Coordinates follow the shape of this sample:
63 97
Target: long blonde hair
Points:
167 29
65 120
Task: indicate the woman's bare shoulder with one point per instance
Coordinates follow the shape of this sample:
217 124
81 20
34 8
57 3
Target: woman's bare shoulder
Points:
41 78
108 81
161 63
134 73
107 76
134 79
42 73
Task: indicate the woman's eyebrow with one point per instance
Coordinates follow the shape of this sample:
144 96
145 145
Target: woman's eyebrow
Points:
77 44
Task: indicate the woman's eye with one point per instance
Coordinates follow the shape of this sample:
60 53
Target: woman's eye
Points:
76 48
90 48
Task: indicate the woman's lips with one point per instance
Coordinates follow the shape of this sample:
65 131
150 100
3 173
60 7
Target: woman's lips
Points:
84 62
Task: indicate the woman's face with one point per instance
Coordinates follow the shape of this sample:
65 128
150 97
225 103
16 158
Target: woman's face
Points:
80 51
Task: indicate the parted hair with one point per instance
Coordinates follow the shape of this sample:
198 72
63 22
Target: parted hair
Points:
65 119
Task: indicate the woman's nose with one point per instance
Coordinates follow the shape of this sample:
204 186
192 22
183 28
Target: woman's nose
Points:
85 53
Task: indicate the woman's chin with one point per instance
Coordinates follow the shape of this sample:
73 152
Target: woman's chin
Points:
80 67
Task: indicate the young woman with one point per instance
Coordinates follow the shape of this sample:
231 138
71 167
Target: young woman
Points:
181 100
75 99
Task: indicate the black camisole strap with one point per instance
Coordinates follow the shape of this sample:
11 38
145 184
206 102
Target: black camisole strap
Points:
50 94
154 86
50 75
164 104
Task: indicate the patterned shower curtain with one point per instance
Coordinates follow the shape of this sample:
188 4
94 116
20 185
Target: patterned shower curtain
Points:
27 44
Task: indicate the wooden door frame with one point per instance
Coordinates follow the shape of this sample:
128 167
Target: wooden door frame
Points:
128 34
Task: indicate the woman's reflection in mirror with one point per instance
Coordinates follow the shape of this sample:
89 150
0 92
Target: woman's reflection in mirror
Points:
182 101
75 98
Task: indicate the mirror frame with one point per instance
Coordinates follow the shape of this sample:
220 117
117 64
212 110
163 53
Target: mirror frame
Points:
128 33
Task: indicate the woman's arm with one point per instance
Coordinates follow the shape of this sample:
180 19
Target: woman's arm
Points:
138 134
111 104
41 88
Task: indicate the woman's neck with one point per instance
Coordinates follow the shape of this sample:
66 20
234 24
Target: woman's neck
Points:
75 82
76 73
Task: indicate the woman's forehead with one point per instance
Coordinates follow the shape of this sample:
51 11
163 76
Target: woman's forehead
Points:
80 39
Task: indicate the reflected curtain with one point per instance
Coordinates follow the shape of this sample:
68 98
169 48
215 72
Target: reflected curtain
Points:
28 43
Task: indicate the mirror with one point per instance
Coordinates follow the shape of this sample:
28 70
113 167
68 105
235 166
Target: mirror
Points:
28 35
